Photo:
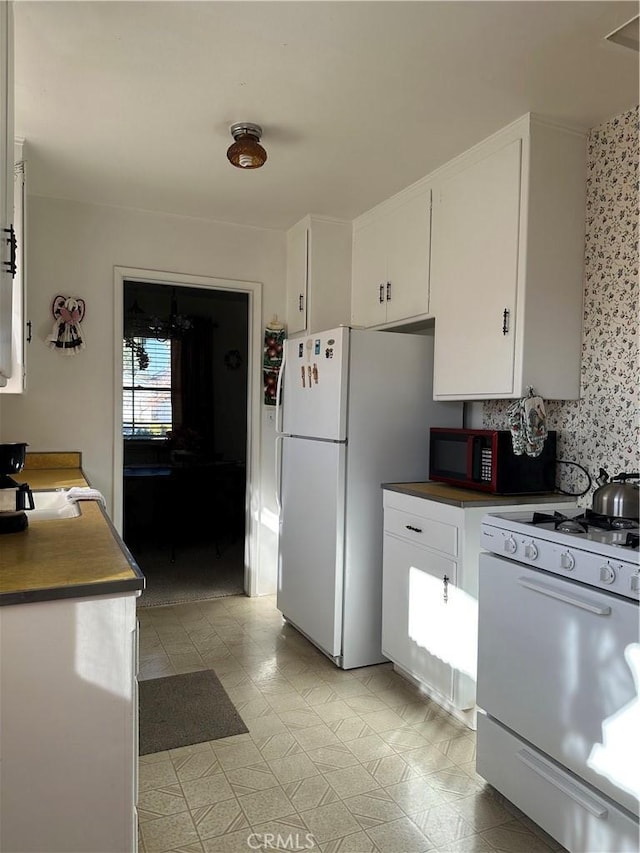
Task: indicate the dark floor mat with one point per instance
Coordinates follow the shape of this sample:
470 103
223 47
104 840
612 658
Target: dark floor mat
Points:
180 710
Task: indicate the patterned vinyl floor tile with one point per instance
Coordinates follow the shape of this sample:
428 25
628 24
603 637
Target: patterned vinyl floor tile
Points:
334 761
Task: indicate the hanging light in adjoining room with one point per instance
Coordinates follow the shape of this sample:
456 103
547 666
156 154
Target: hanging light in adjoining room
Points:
246 151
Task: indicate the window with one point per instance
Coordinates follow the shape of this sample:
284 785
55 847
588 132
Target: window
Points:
146 388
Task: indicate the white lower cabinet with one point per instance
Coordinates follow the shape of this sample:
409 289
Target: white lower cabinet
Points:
430 592
429 624
69 718
420 638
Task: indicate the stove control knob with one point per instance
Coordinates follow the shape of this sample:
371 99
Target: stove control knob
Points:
531 551
607 574
510 545
635 582
567 561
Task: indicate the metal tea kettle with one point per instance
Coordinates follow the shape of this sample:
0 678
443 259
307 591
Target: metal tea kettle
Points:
616 496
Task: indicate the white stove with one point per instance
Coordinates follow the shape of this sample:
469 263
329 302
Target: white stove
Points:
558 673
582 546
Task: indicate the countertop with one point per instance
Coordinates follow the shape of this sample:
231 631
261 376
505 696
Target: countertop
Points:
65 558
454 496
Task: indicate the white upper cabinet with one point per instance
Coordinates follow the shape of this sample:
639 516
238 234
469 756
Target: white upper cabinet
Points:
7 244
17 382
318 275
507 259
390 280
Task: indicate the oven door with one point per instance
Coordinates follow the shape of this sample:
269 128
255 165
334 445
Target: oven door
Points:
556 664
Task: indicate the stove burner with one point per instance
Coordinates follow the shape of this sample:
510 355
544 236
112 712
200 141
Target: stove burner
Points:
581 523
561 522
623 524
546 518
569 526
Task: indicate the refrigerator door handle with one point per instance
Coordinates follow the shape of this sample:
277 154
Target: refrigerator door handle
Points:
278 461
283 366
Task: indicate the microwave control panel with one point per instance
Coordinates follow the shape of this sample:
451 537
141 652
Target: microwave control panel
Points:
485 464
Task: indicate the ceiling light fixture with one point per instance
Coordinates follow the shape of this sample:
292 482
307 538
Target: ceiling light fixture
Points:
246 151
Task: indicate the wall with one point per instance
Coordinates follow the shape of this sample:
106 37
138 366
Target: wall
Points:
72 250
602 428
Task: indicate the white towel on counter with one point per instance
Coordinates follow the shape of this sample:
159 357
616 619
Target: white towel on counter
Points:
78 493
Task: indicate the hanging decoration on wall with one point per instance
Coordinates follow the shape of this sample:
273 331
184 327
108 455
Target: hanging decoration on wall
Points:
274 338
67 336
528 424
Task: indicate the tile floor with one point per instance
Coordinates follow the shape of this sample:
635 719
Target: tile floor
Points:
334 761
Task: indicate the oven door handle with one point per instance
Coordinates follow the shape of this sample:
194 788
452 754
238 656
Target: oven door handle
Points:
551 775
553 592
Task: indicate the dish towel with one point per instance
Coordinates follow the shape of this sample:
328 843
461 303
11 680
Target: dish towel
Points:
528 424
85 494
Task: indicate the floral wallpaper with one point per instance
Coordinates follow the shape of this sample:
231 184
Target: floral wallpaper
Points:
602 428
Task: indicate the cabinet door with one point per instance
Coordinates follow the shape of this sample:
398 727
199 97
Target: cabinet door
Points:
408 230
368 286
6 186
16 384
297 277
419 627
69 722
474 271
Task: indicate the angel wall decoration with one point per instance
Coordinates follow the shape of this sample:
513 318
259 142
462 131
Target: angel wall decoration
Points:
67 336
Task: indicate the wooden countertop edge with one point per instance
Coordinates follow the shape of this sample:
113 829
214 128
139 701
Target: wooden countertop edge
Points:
127 577
454 496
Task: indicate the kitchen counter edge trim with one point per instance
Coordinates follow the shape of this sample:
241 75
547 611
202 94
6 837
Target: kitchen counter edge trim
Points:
454 496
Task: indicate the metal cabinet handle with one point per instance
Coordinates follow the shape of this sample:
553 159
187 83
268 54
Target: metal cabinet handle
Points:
301 302
29 332
445 594
415 529
11 265
388 291
551 775
576 601
381 293
505 321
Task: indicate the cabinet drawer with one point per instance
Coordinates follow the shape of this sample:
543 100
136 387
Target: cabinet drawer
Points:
423 531
573 813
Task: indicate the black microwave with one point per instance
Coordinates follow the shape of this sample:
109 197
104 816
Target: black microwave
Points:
483 459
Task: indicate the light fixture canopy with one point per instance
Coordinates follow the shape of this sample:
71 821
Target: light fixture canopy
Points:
246 151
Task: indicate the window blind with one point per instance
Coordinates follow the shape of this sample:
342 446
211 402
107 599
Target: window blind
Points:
146 388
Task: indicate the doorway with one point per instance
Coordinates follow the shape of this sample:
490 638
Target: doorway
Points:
184 402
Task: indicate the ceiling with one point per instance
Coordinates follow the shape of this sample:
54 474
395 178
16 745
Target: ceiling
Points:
129 103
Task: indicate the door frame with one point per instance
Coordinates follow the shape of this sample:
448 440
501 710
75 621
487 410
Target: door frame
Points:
254 389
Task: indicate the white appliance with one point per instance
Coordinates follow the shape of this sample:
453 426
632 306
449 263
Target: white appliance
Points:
357 408
558 673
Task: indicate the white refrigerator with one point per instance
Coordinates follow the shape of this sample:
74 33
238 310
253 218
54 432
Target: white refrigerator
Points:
356 410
